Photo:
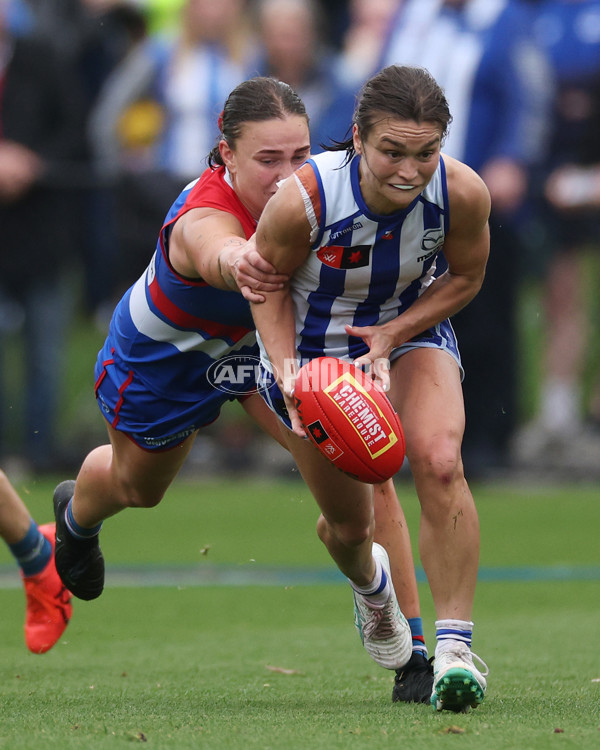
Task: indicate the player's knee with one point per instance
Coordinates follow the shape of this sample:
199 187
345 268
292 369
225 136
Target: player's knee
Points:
351 534
136 497
438 461
147 500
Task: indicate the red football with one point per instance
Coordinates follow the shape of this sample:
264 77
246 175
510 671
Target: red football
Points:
349 419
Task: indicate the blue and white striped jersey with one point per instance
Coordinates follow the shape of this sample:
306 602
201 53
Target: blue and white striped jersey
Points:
363 269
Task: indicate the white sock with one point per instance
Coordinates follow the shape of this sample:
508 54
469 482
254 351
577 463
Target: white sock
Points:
559 405
378 591
451 632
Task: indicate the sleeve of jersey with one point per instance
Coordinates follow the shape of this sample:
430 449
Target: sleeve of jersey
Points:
212 191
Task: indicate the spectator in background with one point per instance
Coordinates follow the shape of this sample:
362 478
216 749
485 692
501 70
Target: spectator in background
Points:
290 47
111 29
92 37
368 27
336 18
41 125
497 85
156 118
569 227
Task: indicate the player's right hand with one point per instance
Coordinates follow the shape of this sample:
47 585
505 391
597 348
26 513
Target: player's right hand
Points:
253 274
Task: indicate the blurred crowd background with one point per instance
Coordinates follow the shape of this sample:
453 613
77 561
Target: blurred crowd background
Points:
109 107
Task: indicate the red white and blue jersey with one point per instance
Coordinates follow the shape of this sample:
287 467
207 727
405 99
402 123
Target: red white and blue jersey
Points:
167 330
364 269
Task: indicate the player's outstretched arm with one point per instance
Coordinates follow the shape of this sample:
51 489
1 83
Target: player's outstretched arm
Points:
210 244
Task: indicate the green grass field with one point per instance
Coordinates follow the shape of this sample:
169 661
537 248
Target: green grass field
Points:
258 658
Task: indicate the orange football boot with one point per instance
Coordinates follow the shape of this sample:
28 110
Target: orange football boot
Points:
49 607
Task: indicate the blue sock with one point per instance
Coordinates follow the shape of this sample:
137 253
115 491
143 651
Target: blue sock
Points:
418 638
33 552
79 532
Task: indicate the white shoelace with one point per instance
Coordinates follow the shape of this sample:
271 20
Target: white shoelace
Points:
463 653
380 622
482 663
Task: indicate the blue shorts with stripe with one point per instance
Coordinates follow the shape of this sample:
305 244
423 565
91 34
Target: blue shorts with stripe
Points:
152 421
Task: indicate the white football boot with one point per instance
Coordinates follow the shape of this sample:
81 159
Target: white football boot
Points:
457 684
384 631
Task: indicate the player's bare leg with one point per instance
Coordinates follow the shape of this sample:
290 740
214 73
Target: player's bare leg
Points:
391 531
346 527
14 516
112 477
48 603
414 682
427 393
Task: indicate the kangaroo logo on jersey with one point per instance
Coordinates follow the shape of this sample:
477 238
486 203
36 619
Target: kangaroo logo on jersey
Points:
336 256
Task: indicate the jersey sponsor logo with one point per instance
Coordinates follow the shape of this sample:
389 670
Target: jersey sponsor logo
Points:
340 232
337 256
178 437
423 258
432 239
431 242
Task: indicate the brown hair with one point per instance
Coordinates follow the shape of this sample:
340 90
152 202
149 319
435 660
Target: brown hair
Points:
402 91
255 100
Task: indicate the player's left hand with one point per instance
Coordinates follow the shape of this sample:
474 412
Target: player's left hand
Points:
376 361
287 389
